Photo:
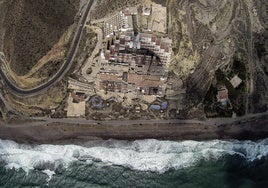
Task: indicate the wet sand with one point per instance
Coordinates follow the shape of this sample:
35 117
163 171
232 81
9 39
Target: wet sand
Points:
71 133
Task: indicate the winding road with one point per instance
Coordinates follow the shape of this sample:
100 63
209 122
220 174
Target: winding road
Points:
63 70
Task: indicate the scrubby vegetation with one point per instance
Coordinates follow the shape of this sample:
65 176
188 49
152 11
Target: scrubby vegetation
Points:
33 27
236 95
105 7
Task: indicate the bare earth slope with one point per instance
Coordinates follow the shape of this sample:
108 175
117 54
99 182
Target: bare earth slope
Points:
33 27
211 37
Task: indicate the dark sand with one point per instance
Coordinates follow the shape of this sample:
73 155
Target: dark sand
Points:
69 133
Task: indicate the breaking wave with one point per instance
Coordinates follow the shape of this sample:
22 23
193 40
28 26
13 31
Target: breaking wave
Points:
143 155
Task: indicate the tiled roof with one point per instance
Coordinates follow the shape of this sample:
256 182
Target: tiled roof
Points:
144 80
222 94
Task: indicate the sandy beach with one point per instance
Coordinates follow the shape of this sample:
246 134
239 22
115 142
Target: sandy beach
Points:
252 129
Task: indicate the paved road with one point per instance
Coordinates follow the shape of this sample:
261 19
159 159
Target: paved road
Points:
37 121
63 70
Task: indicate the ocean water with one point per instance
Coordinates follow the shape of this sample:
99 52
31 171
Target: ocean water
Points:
141 163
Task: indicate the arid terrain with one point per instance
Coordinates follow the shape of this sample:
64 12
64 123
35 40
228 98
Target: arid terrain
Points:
35 38
33 28
218 65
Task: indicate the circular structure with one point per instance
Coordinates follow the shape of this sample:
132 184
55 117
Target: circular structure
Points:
96 102
159 106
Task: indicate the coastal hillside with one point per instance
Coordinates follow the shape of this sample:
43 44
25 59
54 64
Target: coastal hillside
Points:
32 29
158 59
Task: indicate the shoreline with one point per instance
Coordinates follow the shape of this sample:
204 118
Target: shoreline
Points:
64 133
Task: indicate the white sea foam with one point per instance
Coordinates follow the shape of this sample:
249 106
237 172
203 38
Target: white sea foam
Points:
49 173
143 155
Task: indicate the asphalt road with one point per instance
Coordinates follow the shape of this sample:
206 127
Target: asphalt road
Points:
37 121
63 70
